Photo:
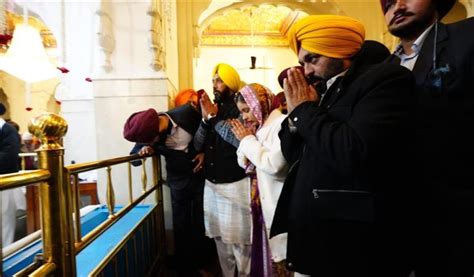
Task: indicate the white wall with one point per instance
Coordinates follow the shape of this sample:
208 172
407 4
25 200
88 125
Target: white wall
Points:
80 140
73 25
96 111
130 85
274 59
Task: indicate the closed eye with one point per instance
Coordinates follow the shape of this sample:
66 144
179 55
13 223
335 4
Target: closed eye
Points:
312 58
388 5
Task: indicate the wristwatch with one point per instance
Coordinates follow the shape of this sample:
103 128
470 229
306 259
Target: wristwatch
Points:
210 115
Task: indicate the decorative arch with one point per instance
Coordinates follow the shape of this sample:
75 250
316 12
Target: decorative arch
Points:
310 8
217 10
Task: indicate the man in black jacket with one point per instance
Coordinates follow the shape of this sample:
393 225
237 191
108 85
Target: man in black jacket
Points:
9 145
9 150
227 187
444 140
170 134
347 137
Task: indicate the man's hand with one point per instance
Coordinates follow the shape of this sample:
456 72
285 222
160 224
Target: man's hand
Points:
239 130
207 107
297 90
146 150
200 162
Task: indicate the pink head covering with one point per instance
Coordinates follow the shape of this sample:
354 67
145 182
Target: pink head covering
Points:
259 99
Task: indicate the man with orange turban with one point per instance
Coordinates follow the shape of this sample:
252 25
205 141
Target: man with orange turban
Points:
347 136
186 96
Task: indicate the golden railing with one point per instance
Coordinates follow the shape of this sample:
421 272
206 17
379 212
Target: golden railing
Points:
74 170
60 209
23 157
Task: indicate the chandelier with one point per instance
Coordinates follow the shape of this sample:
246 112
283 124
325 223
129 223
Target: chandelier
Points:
26 58
5 37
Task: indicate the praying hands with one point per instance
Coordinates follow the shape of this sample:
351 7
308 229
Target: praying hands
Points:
297 90
239 130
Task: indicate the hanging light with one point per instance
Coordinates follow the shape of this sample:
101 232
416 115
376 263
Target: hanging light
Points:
4 36
26 58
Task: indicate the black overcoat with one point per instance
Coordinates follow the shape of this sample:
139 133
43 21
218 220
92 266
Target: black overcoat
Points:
445 151
343 199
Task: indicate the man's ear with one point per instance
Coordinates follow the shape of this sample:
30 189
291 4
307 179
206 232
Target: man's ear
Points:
346 63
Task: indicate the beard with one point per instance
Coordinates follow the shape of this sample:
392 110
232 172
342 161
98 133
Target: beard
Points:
221 96
413 28
334 67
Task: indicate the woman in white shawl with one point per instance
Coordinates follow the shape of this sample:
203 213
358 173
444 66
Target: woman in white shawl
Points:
260 154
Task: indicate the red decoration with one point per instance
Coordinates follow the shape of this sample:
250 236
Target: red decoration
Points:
28 109
88 79
63 69
58 102
4 38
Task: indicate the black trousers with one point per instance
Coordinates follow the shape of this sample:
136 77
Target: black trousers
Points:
193 249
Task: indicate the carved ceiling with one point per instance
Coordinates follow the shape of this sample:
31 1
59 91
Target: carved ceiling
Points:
263 25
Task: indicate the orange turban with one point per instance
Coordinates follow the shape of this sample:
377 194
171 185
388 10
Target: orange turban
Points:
332 36
185 96
229 76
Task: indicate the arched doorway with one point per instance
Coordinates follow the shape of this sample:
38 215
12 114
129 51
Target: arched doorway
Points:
258 30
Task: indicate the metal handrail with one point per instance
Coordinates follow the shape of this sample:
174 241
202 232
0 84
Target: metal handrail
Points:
25 155
44 270
92 235
20 179
28 154
74 169
19 244
59 199
88 166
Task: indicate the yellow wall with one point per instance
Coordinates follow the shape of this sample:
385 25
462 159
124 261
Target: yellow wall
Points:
41 99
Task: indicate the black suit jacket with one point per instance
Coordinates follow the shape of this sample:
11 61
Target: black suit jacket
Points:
445 145
352 152
444 119
179 164
9 149
221 165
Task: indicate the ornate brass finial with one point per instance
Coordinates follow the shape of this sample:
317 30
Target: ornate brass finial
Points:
49 128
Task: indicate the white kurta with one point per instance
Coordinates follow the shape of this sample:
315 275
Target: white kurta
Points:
12 200
227 214
264 151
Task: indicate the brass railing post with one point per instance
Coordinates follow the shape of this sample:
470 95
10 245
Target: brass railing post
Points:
156 169
160 214
130 183
56 219
144 176
23 163
110 194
